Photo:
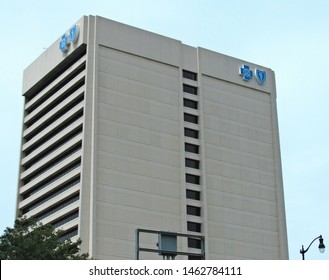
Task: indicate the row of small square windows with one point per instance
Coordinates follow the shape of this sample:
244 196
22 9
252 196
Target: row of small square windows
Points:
188 132
192 163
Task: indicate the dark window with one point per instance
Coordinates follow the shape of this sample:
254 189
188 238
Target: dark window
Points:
49 149
56 101
190 103
53 163
193 210
191 133
194 243
65 219
193 179
191 257
191 148
193 194
69 234
191 226
53 209
52 194
190 75
190 89
190 118
52 179
54 132
192 163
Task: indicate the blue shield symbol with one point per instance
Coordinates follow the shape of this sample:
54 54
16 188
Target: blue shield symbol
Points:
74 33
260 76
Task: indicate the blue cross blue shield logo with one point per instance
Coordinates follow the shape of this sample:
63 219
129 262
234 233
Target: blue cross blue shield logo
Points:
66 40
245 72
64 43
260 76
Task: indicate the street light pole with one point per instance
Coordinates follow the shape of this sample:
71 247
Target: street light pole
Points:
321 246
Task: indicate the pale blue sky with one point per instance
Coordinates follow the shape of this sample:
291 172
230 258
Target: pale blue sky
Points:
290 37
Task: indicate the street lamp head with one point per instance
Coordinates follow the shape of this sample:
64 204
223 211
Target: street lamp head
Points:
321 245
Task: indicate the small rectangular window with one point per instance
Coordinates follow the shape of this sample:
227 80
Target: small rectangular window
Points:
191 133
192 257
190 89
191 118
193 210
192 226
194 243
193 194
191 148
190 75
193 179
190 103
192 163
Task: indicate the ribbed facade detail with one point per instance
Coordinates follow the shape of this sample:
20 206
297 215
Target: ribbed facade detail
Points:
50 177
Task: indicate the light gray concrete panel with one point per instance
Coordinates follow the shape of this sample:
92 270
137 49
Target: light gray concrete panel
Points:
115 194
220 110
140 42
241 187
109 56
189 58
138 150
239 157
237 129
137 104
244 234
137 89
251 146
159 136
240 202
237 250
138 166
163 187
222 215
239 172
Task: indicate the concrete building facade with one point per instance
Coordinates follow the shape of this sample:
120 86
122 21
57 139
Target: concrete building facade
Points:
126 129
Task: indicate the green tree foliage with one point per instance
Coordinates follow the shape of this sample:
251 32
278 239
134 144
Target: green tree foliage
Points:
29 240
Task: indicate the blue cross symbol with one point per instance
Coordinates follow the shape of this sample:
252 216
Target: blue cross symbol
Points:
64 43
245 72
66 40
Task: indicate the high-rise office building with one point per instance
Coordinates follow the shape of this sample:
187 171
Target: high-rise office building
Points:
125 129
